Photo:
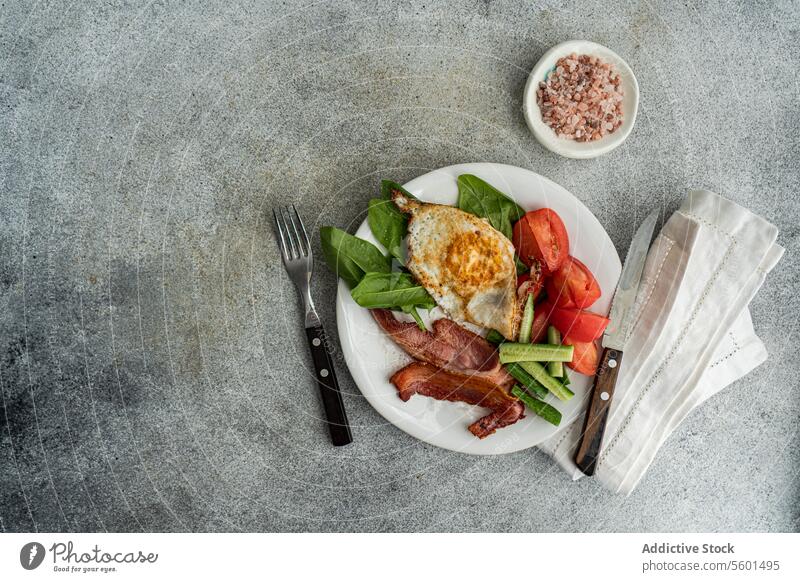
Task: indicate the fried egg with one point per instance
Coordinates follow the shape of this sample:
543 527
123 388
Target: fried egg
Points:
464 263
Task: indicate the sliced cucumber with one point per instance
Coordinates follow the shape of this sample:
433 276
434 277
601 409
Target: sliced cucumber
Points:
517 352
539 372
527 322
528 381
565 378
555 369
547 412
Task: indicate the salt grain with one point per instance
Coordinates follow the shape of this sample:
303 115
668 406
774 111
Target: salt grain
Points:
582 98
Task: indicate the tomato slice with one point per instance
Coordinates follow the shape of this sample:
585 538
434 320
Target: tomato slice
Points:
577 325
573 285
584 357
529 284
541 317
540 236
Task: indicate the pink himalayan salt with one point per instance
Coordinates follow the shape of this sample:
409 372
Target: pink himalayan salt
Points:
582 98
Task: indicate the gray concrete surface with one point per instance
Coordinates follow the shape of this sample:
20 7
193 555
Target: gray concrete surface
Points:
152 366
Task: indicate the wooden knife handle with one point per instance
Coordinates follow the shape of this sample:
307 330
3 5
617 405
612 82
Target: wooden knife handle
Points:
594 424
328 387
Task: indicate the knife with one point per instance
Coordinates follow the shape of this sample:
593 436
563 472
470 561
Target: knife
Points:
594 423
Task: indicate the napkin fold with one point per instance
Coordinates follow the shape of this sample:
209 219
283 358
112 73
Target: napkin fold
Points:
692 335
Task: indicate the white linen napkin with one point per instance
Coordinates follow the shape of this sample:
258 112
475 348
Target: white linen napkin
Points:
692 334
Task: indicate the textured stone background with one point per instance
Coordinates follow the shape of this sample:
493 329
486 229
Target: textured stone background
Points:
152 363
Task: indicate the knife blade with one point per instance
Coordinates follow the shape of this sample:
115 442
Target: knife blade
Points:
625 296
614 340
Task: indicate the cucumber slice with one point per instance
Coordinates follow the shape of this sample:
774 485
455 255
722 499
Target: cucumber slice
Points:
555 369
547 412
527 322
565 378
517 352
539 372
528 381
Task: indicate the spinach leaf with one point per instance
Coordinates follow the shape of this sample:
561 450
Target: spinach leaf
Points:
391 291
388 225
522 268
351 257
495 337
413 311
387 187
482 199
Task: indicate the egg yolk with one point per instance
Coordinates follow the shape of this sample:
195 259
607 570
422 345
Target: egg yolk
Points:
473 261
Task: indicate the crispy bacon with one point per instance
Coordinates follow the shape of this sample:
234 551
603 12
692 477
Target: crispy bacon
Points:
475 389
457 365
448 346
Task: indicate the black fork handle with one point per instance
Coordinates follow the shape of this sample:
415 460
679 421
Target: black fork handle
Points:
328 387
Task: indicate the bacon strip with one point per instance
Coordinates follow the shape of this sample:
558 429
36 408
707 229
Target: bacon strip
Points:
449 346
428 380
461 366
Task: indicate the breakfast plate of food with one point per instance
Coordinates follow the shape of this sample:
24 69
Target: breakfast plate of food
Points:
469 305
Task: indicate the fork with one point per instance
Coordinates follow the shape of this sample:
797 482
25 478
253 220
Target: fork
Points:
299 263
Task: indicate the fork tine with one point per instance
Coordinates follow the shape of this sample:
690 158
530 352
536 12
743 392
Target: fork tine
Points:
302 234
294 241
303 228
294 235
281 236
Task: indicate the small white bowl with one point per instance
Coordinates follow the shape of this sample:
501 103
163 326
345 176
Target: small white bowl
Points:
569 147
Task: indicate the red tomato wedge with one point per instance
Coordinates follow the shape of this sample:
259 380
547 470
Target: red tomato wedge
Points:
577 325
573 285
526 285
584 357
529 284
541 236
541 317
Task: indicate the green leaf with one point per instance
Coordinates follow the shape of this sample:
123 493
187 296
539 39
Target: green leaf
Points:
388 225
495 337
351 257
390 291
415 314
522 268
387 187
482 199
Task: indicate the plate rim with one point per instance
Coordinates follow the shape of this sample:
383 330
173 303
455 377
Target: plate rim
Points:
350 358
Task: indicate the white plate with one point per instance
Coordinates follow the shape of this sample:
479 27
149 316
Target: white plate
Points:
569 147
373 357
